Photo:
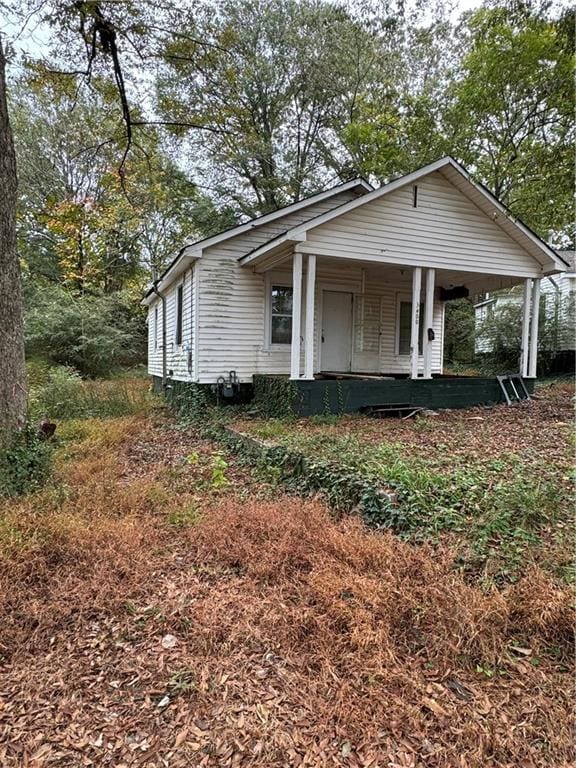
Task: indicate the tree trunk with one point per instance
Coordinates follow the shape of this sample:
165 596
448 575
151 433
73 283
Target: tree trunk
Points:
12 369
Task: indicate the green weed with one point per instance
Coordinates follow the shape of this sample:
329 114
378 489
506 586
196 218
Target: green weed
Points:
182 682
184 518
218 477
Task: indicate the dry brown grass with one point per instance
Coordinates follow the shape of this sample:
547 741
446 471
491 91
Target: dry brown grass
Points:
299 640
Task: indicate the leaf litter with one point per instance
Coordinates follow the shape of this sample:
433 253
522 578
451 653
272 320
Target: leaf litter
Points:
297 640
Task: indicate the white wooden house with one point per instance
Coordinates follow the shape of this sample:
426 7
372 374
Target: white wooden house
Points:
352 280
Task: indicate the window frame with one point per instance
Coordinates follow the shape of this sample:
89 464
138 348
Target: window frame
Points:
407 299
179 319
271 283
155 339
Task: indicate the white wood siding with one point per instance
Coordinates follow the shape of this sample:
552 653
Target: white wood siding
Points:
179 358
240 332
232 302
155 339
446 231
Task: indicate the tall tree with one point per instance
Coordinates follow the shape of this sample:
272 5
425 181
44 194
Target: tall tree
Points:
511 117
271 90
13 378
398 124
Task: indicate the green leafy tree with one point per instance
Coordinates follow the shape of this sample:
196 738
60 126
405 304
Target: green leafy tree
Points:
511 114
80 221
93 334
398 124
271 90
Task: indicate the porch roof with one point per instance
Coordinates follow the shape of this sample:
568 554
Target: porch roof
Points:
549 260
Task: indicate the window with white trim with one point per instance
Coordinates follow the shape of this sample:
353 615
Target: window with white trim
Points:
156 327
179 314
280 314
404 329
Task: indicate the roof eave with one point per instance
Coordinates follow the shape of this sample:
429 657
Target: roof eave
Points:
448 161
258 221
181 263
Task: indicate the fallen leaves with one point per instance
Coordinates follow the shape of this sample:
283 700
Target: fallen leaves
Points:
264 635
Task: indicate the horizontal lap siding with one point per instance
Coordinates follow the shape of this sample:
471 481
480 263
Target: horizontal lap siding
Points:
155 351
232 303
349 279
445 231
391 292
176 355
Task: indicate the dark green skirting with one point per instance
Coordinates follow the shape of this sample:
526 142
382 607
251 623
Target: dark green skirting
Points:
334 396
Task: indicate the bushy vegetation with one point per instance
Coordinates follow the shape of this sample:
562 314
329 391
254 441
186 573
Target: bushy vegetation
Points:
459 332
96 335
60 393
25 465
501 332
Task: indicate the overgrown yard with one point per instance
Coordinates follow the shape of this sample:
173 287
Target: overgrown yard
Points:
496 483
164 603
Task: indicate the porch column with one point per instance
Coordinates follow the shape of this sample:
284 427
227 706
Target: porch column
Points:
296 314
428 322
525 328
416 285
534 329
309 319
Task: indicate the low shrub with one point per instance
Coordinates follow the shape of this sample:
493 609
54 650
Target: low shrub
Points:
25 465
65 395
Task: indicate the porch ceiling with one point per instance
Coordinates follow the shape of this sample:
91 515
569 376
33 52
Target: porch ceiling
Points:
476 282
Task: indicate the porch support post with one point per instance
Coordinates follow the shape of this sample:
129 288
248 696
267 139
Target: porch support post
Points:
525 328
428 322
534 329
296 315
309 320
416 285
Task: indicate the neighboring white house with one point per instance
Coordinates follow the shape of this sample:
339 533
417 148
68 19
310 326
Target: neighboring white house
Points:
558 296
351 280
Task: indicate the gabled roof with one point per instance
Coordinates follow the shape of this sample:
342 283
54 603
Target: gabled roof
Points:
461 179
193 251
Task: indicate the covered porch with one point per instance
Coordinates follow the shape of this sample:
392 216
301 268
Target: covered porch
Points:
346 319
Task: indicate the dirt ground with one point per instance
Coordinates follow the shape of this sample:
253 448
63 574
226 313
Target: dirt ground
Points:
541 428
162 607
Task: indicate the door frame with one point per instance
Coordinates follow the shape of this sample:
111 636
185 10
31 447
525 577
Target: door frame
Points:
378 354
331 288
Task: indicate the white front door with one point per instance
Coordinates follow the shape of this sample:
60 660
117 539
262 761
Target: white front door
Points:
336 331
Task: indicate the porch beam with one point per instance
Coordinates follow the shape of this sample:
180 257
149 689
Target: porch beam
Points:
428 322
296 315
416 286
534 329
309 318
524 347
